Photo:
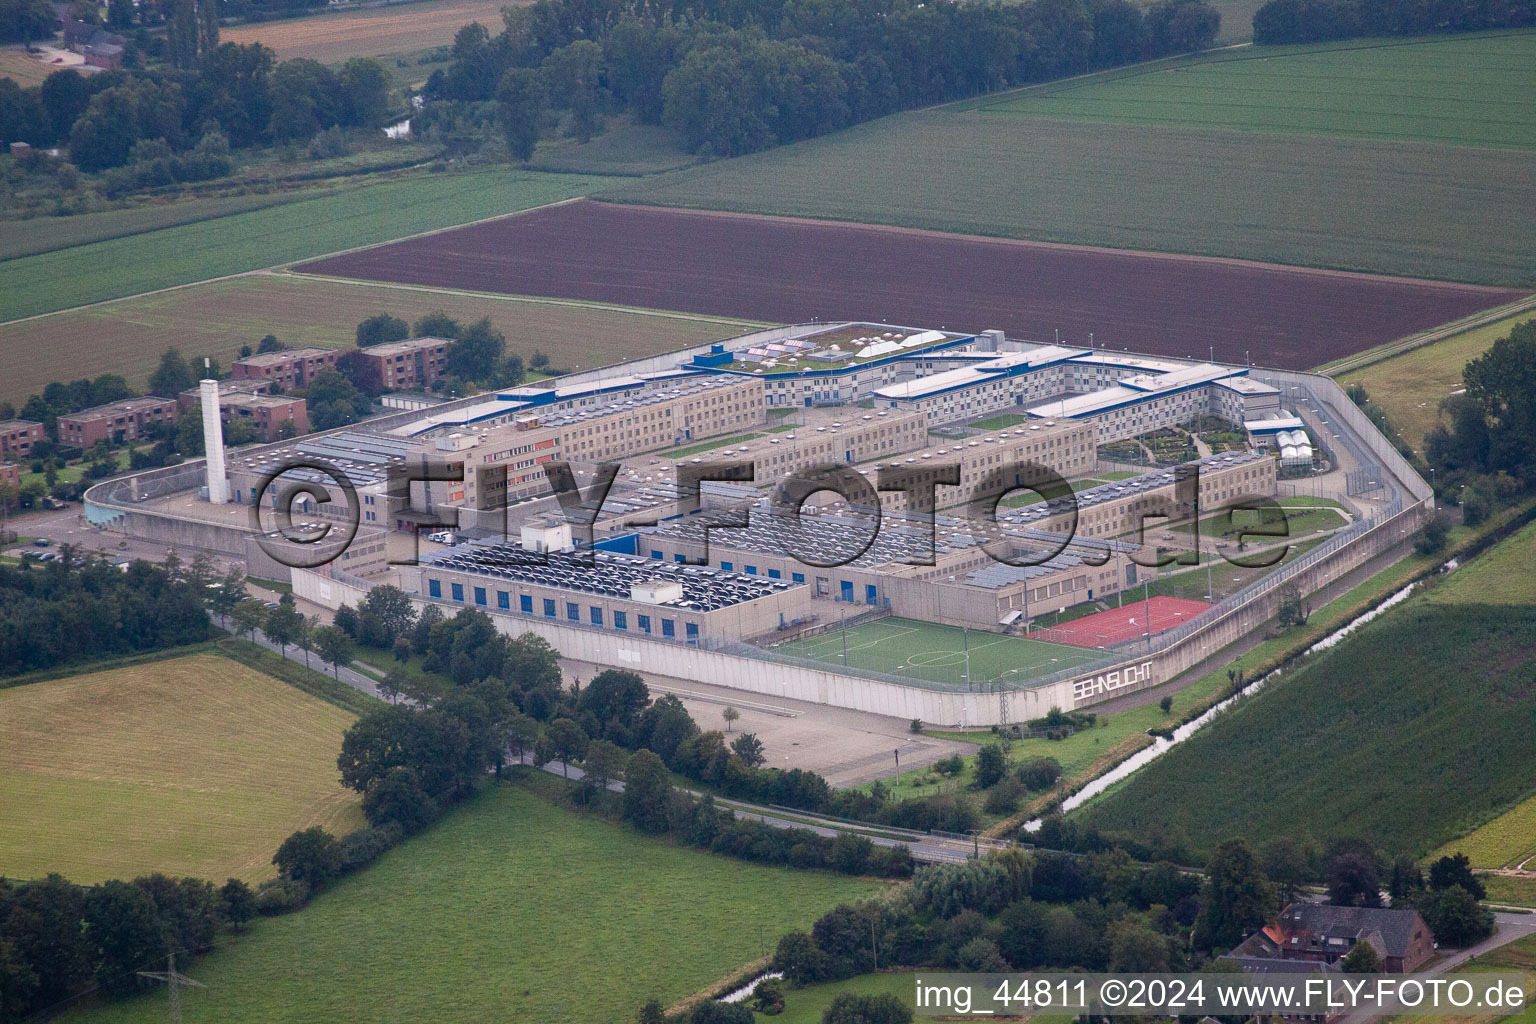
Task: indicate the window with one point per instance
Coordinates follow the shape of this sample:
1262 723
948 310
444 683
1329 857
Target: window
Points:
870 594
751 570
668 627
503 599
798 577
645 623
656 555
525 603
693 632
728 566
774 574
620 620
597 615
678 558
846 589
435 588
549 608
458 591
573 611
480 596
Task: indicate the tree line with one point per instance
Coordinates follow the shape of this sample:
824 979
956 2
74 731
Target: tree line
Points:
178 123
737 77
1311 21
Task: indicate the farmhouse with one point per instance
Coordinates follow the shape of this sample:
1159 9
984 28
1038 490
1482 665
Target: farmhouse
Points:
1322 934
128 420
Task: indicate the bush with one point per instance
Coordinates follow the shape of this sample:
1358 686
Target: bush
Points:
1040 773
280 895
1432 537
359 849
1004 797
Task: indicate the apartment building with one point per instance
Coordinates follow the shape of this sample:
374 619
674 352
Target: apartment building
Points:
413 363
128 420
18 436
287 369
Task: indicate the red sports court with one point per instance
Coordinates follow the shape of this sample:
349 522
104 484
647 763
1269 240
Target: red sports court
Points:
1116 626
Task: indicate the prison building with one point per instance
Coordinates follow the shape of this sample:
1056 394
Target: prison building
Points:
622 594
1120 509
1142 403
287 368
982 385
116 422
1018 457
846 438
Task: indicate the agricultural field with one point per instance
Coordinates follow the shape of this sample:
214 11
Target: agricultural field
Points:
788 271
193 765
1507 841
1516 890
257 239
23 69
1501 575
333 38
1473 90
937 653
1411 386
1383 205
510 909
1365 739
218 317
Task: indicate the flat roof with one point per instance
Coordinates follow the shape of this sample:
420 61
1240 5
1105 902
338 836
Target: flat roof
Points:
1132 391
394 348
285 355
113 408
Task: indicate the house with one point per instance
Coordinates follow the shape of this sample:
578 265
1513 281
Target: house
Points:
413 363
1320 934
100 48
287 368
18 436
129 420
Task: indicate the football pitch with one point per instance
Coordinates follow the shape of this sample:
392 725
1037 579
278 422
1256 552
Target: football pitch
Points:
937 653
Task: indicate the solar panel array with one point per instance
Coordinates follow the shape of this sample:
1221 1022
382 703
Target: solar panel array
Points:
704 589
1123 489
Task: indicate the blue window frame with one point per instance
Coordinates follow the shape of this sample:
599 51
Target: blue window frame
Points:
728 566
751 570
693 632
774 574
846 588
668 627
525 603
435 588
458 591
503 600
645 623
656 555
679 558
597 615
480 596
620 620
573 611
871 595
798 577
549 607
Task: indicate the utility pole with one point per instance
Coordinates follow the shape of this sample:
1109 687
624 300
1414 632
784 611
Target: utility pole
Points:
1146 593
965 641
842 616
174 980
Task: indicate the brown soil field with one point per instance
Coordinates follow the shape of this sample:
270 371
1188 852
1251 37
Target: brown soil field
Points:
330 38
787 270
216 318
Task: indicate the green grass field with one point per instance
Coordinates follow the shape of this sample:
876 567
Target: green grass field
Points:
242 242
511 909
1411 386
194 765
1298 518
218 317
1507 841
1410 733
1516 890
1464 90
1501 575
937 653
1399 206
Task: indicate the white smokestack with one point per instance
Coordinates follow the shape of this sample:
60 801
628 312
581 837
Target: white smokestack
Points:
213 441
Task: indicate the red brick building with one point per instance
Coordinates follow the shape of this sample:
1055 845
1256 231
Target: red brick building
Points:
10 473
266 412
191 400
414 363
18 436
1321 934
288 369
128 420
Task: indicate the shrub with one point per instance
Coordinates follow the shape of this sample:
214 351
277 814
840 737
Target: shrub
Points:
361 848
280 895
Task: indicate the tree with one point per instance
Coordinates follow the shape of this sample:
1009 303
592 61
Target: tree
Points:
574 72
365 85
385 615
1432 537
475 354
249 616
730 715
310 855
520 101
749 748
1236 898
801 960
335 648
172 377
1352 874
306 636
566 742
1456 870
712 1012
522 734
1136 948
1165 705
1456 918
651 1013
237 903
283 623
991 766
436 324
647 791
851 1008
1362 958
207 26
380 329
399 797
126 934
334 401
181 32
604 763
1285 864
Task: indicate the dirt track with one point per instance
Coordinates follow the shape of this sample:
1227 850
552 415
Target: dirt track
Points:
785 270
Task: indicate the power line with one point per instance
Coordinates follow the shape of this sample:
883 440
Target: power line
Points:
174 980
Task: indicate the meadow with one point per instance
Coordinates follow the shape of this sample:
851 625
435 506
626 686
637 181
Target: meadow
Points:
1507 841
1502 575
1412 732
1386 205
241 242
218 317
1411 386
510 909
333 37
1473 90
194 765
